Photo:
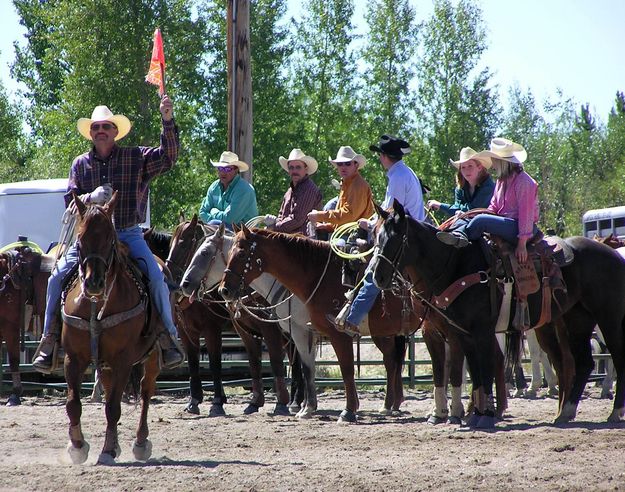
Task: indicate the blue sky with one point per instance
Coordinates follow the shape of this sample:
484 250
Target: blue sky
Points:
543 45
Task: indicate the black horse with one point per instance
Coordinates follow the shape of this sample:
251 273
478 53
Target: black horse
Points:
595 294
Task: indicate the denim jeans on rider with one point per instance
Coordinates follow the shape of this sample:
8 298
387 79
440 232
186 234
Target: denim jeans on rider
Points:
504 227
138 248
364 301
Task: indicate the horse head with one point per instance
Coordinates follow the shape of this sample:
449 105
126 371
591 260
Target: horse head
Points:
244 264
96 244
390 244
206 265
184 242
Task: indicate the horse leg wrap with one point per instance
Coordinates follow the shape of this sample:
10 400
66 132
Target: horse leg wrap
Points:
457 409
440 402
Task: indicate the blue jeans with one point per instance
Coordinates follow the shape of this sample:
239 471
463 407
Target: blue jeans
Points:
365 299
139 250
331 205
504 227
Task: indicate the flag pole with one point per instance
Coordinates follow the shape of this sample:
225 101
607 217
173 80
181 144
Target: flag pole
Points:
163 79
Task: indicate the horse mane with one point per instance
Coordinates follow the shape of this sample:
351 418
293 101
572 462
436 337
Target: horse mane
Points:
309 252
158 241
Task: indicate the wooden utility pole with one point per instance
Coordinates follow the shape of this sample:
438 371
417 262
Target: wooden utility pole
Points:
240 129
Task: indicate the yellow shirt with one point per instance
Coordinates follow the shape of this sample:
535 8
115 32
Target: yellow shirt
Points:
355 202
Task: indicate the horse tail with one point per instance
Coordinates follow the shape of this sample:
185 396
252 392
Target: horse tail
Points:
133 388
514 349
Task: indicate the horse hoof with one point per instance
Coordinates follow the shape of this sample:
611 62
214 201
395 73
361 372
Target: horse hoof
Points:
434 420
553 392
142 452
78 455
473 420
250 409
294 408
531 394
396 413
192 407
105 459
216 410
455 420
303 414
14 401
96 399
385 411
485 422
347 416
281 409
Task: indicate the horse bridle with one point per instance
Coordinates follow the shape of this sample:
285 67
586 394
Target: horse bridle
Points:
93 256
170 263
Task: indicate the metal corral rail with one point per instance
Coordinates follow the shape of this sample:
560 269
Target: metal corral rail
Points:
177 379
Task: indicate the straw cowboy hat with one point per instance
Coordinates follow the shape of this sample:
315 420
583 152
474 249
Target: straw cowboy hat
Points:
230 159
347 154
467 154
502 148
298 155
100 114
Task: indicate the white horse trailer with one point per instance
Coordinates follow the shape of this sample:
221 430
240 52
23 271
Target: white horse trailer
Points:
32 209
604 221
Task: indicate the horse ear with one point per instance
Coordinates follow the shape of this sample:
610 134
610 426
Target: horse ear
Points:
398 207
380 211
80 205
181 217
221 230
246 231
235 228
109 207
193 222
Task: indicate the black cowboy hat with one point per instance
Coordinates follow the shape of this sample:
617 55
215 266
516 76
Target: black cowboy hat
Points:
393 146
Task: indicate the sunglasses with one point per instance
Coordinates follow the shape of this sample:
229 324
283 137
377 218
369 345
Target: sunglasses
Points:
225 169
105 126
346 164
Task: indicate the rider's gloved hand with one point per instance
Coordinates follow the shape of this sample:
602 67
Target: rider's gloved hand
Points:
270 220
101 194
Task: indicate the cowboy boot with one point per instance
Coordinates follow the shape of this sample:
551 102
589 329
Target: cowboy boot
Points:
43 360
172 352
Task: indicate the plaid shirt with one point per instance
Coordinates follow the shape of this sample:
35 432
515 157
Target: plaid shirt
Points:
129 170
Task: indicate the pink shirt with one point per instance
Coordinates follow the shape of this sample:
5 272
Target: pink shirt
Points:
517 198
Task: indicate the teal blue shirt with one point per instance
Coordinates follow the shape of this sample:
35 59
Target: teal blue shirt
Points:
235 205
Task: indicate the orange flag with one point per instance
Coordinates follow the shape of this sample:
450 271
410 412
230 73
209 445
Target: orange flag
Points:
156 73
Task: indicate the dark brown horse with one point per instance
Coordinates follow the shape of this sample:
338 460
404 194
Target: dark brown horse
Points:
23 281
310 270
595 283
106 321
208 317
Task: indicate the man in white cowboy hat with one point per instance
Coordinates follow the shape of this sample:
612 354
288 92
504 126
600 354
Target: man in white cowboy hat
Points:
403 186
474 185
355 197
514 202
94 175
302 196
229 199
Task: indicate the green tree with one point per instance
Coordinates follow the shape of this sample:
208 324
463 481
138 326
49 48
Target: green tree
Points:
325 82
389 52
82 54
13 143
456 107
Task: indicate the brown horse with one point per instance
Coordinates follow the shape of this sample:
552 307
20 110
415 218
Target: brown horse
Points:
209 316
23 281
310 270
106 320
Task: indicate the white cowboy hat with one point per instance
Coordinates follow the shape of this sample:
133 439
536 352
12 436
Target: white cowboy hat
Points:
347 154
103 113
230 159
467 154
298 155
502 148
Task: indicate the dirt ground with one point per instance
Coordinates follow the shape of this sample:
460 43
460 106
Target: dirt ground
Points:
263 452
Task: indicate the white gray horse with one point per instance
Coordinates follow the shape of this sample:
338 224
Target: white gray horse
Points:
206 268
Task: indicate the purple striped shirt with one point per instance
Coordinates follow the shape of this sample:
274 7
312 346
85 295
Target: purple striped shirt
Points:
129 170
297 202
